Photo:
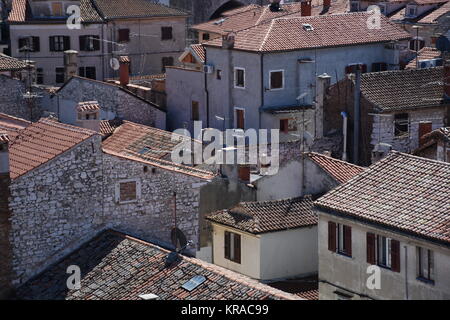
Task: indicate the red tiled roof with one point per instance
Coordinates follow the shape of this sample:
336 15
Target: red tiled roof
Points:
118 267
309 295
42 141
112 9
240 10
436 14
4 137
18 11
8 63
107 127
340 170
429 16
88 106
425 53
148 145
404 192
289 33
12 125
268 216
199 51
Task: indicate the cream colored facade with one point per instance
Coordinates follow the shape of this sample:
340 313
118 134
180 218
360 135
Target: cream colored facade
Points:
339 274
270 256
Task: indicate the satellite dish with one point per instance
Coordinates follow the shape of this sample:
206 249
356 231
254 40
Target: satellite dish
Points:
114 63
178 238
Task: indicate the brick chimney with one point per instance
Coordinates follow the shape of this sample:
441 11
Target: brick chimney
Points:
6 273
305 8
124 70
447 79
70 64
88 115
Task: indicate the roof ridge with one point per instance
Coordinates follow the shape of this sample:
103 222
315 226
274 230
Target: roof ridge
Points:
269 30
334 159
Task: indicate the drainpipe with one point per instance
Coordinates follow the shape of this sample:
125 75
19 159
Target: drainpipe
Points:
206 91
406 273
344 131
357 114
262 89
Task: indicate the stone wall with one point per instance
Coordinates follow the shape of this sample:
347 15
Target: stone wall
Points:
5 229
55 208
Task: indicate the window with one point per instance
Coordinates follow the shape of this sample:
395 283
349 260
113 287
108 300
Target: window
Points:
240 119
59 75
195 111
383 251
233 247
166 33
128 191
87 72
205 37
166 61
57 9
284 125
416 44
411 11
239 78
354 6
276 79
401 124
425 264
29 43
352 68
340 238
59 43
379 66
39 76
89 43
124 35
219 74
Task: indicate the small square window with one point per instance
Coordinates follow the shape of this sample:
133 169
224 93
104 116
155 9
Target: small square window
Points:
127 191
124 35
219 74
166 33
276 80
205 37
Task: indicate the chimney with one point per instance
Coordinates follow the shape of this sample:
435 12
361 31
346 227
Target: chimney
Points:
326 4
70 64
305 8
6 273
124 70
88 115
323 82
28 74
447 79
380 151
228 38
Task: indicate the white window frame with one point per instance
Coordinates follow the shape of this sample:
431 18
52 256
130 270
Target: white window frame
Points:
408 8
235 78
138 191
270 80
430 277
388 243
235 117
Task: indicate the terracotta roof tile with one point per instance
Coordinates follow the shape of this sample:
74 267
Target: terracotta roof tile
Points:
107 127
149 145
18 11
340 170
118 267
268 216
401 191
404 89
111 9
289 33
425 53
429 16
4 137
88 106
434 15
41 142
199 51
8 63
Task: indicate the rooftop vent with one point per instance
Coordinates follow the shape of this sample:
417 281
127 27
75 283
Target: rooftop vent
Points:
149 296
307 27
193 283
219 22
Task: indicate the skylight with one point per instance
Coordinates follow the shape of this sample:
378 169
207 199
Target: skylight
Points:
193 283
307 27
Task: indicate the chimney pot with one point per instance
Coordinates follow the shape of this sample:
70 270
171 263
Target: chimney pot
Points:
228 38
124 70
70 64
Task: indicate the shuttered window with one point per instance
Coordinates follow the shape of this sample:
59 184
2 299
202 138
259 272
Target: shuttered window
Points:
232 247
395 255
59 43
89 43
331 236
371 248
87 72
31 44
379 66
240 119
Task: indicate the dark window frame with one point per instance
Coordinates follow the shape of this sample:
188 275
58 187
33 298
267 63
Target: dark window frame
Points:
59 43
59 75
401 129
239 78
123 35
232 246
277 86
429 277
166 33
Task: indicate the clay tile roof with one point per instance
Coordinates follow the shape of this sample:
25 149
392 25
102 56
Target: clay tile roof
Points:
111 9
240 9
402 192
43 141
268 216
244 19
18 11
435 14
404 89
341 171
441 134
12 125
8 63
124 59
107 127
88 106
4 137
149 145
290 33
425 53
118 267
199 51
430 16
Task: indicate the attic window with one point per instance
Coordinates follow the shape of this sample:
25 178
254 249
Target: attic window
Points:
193 283
144 150
307 27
